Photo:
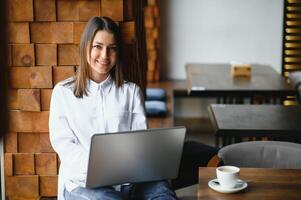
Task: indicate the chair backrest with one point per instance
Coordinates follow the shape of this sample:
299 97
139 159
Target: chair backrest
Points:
262 154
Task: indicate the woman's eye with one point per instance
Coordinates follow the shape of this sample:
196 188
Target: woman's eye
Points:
113 48
97 46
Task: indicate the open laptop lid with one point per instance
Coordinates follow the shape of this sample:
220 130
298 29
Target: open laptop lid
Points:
135 156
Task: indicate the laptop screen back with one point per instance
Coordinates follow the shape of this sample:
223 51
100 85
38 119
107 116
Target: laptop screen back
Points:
135 156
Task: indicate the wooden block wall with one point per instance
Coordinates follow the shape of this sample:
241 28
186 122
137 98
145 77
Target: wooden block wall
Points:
43 49
151 23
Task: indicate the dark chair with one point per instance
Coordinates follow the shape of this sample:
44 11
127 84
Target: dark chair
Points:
260 154
195 155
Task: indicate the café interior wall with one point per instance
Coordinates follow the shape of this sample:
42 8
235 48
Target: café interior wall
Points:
217 31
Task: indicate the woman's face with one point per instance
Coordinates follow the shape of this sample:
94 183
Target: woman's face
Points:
103 56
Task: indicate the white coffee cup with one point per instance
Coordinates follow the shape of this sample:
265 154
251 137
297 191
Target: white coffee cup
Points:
227 176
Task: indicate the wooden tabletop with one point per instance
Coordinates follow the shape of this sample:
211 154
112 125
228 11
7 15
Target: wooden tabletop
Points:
233 122
255 120
206 79
267 184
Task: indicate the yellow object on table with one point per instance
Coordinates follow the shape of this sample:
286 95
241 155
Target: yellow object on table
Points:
241 69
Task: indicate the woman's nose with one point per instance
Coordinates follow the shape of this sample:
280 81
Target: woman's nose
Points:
104 52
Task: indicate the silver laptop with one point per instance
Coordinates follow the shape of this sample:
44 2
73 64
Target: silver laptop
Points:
135 156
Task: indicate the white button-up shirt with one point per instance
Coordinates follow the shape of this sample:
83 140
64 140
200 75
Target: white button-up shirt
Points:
73 121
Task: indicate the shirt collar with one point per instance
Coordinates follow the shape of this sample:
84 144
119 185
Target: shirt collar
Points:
104 86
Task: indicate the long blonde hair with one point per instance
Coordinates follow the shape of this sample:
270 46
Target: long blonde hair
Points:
81 78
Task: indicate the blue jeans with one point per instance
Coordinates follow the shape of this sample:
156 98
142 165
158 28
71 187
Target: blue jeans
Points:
157 190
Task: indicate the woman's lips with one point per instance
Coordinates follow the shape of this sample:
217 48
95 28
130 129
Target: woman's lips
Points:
103 62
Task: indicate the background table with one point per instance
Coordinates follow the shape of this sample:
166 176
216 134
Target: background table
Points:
272 121
215 80
267 184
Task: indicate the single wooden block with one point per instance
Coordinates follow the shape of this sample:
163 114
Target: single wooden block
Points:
155 33
31 77
29 142
23 164
29 99
46 54
22 186
128 32
68 54
62 73
112 9
48 186
151 65
78 30
23 55
67 10
11 142
150 44
23 121
40 121
77 10
152 33
88 9
13 103
18 33
8 164
152 55
46 164
20 10
45 99
52 32
149 23
20 121
45 144
44 10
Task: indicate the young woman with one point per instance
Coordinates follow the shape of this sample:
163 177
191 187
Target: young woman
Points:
97 100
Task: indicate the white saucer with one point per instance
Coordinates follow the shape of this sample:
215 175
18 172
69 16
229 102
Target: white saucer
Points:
216 187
